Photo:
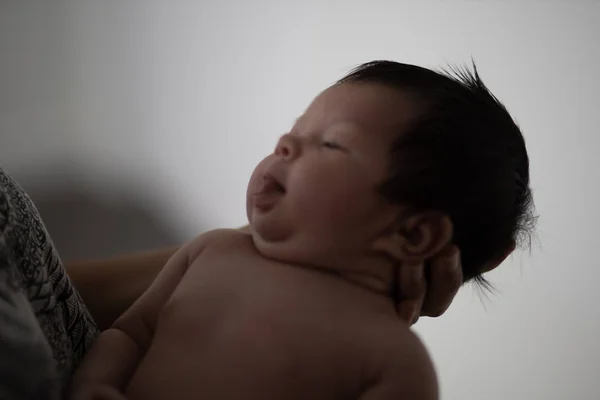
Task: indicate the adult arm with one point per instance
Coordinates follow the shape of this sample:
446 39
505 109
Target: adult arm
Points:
109 287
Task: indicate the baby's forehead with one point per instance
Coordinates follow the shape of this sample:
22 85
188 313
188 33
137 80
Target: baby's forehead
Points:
308 123
358 108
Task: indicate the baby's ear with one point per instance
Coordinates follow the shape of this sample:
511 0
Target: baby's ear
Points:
417 237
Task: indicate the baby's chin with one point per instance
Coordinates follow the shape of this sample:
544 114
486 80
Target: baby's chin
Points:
264 230
267 238
277 244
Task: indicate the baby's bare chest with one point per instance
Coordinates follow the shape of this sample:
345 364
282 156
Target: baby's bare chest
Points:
246 318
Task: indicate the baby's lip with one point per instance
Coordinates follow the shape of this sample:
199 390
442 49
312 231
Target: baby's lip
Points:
268 193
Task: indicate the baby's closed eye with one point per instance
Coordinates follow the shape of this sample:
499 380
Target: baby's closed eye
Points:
331 145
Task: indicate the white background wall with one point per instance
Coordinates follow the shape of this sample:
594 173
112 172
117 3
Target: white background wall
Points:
173 103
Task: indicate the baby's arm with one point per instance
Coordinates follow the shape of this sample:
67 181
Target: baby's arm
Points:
117 351
407 373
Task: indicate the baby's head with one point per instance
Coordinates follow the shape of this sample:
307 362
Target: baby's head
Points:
395 162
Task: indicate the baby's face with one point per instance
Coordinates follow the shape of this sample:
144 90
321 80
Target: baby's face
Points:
315 199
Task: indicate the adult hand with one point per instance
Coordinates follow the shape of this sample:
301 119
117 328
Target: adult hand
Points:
428 289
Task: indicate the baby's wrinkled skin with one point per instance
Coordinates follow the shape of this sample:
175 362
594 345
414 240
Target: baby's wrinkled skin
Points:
300 306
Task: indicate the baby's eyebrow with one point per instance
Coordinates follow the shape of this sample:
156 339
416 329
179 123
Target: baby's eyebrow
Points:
346 126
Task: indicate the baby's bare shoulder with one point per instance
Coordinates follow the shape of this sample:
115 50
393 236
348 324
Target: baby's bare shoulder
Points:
216 235
401 366
212 238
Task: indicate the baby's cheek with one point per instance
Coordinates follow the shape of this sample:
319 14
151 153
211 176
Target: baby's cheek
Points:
324 206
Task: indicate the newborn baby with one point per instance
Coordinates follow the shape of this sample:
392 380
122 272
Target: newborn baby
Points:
385 169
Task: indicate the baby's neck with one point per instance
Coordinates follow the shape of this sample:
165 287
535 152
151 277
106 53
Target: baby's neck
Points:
373 283
374 274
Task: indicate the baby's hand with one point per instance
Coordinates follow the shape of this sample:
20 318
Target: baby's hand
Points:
429 297
98 392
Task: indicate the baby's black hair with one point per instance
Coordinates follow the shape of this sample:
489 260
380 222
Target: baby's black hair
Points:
462 154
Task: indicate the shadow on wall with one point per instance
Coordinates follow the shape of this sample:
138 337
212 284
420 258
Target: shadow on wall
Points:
84 226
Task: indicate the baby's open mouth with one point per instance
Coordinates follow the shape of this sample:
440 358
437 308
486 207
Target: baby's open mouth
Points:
268 193
271 184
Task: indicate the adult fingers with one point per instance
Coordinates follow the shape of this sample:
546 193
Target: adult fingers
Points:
411 287
444 280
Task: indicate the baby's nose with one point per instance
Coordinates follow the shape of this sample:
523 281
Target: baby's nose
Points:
288 147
